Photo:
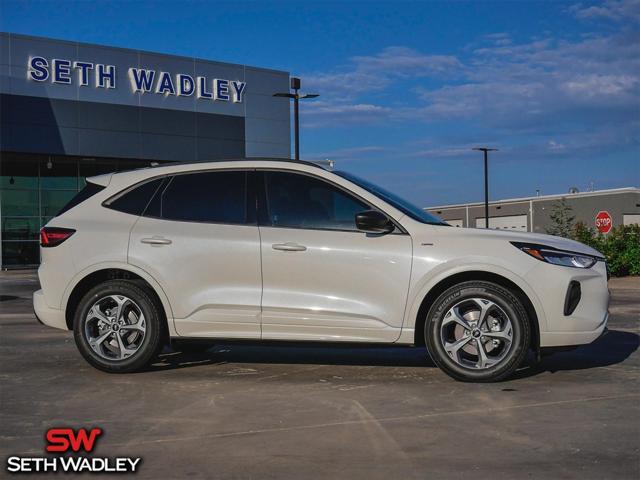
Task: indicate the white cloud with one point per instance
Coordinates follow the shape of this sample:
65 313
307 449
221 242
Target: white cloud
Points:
445 152
376 72
402 61
323 113
500 39
585 82
347 154
501 84
555 146
610 9
547 96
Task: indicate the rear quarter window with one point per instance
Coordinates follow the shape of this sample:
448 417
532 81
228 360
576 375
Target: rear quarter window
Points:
135 199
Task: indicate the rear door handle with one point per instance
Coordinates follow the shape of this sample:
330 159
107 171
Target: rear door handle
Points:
156 241
289 247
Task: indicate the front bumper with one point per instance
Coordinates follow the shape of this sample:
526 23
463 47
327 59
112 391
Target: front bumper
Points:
46 315
582 324
561 339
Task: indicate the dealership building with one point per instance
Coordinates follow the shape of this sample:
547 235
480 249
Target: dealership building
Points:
71 110
600 209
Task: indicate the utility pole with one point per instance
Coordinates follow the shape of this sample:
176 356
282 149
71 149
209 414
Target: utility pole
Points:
296 96
485 150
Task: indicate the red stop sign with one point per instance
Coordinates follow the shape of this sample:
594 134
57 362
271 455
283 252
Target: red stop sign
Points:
603 221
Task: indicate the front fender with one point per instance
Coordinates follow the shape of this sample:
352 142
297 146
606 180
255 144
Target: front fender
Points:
444 270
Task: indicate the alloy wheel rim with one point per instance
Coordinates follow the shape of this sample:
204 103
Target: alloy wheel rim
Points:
115 327
476 333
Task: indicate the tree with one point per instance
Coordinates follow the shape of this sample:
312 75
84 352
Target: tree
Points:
561 219
587 235
621 246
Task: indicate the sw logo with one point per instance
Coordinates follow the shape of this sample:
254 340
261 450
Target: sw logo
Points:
63 439
65 442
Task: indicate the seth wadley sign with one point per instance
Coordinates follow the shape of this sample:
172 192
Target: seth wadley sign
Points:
142 80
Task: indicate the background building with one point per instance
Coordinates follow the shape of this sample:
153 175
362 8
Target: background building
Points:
70 110
531 214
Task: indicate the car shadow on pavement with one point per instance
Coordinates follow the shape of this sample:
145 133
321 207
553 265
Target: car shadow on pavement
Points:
612 348
295 354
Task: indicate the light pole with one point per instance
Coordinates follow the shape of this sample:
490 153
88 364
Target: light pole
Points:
486 181
296 95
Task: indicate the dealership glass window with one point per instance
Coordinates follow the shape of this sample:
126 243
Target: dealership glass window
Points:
20 228
20 253
34 188
59 173
20 203
54 200
19 171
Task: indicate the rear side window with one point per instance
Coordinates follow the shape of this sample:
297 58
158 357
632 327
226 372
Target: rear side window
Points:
87 192
212 197
136 199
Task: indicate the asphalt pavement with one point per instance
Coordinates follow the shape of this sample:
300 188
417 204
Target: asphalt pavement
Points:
312 412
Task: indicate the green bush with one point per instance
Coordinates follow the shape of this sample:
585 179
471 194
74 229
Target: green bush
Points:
621 246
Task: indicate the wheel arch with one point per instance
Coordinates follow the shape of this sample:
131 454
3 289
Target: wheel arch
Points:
443 284
89 278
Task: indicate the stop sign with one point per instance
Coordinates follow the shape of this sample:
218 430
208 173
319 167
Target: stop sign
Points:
603 221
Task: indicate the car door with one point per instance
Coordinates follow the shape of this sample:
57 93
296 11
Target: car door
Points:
199 239
322 278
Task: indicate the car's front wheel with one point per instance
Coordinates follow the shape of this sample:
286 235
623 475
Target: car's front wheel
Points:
477 331
117 327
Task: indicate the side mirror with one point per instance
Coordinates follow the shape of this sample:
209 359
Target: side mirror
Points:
373 221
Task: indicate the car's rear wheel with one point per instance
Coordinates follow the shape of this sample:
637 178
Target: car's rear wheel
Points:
117 327
477 331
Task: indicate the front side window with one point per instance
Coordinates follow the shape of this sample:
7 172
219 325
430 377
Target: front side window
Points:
212 197
409 209
300 201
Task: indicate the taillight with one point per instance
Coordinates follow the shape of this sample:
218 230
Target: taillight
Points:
54 236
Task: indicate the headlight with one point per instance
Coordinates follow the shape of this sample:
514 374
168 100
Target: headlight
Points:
557 257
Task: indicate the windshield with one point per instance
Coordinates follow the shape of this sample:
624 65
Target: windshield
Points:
401 204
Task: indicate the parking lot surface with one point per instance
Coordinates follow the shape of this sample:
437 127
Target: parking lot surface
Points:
310 412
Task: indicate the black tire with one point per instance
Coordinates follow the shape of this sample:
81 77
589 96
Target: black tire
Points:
510 304
149 346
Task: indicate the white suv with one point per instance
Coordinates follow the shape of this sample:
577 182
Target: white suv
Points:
283 250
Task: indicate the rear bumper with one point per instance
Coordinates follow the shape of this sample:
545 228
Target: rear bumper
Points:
46 315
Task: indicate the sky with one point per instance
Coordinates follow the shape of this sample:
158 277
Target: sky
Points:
408 88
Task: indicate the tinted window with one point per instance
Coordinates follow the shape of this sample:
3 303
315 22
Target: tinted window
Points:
401 204
216 197
301 201
87 192
135 200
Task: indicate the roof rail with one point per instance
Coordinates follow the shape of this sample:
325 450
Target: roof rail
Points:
324 164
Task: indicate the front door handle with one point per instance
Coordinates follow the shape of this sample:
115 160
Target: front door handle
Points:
156 241
289 247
